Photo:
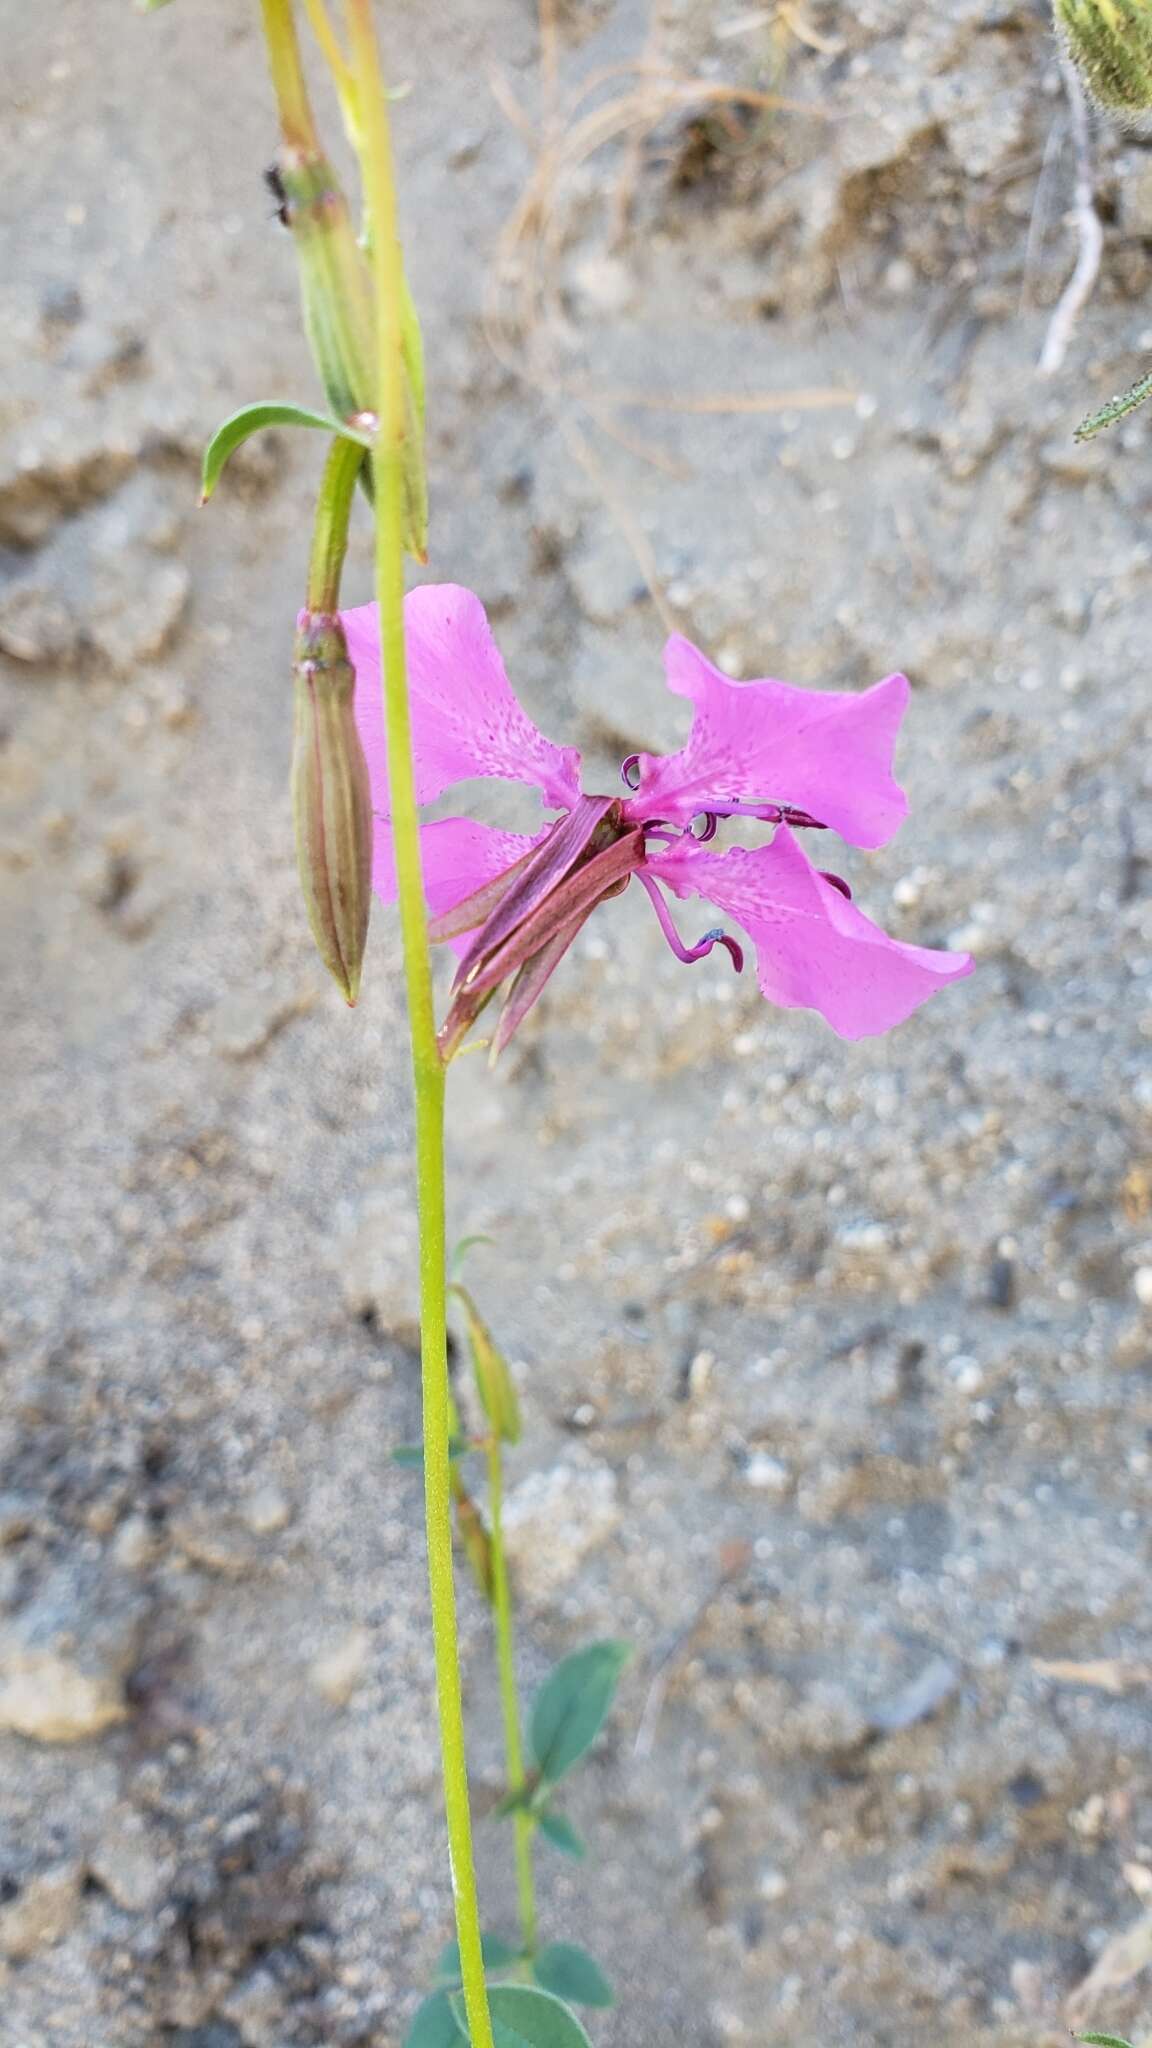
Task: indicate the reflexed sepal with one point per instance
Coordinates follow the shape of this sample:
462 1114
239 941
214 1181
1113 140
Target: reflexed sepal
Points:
331 800
1110 42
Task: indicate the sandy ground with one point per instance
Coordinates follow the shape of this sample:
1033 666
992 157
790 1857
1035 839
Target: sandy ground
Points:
836 1362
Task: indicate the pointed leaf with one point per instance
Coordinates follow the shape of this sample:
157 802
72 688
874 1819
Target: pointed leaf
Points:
525 2018
463 1248
435 2025
569 1972
571 1706
1104 2040
558 1829
250 419
498 1955
494 1382
1116 409
412 1455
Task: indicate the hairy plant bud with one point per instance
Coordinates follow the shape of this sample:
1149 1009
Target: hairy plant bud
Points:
331 801
1110 42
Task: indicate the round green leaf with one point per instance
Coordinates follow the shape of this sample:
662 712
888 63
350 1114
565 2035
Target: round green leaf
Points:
498 1955
571 1707
525 2018
435 2025
569 1972
558 1829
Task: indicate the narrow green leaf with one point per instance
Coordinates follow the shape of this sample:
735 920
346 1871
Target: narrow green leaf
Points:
1103 2040
571 1707
463 1248
494 1382
498 1955
525 2018
435 2025
558 1829
412 1455
270 413
569 1972
1116 409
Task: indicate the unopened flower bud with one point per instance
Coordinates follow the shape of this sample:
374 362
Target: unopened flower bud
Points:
331 801
1110 41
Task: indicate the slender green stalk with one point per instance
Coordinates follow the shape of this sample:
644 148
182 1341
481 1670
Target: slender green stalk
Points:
288 74
427 1066
509 1699
330 526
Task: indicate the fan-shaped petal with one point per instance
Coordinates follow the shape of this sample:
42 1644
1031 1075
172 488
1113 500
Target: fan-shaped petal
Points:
827 752
814 949
466 719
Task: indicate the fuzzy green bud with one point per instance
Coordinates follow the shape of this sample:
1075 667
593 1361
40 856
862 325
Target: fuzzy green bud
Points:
1110 42
331 800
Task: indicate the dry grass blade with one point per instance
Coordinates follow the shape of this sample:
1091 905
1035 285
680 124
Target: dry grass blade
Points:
1108 1674
819 399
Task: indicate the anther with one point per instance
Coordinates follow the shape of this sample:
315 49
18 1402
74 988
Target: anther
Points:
837 882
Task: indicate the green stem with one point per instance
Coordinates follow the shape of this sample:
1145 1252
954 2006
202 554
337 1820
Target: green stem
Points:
330 527
509 1699
427 1066
296 121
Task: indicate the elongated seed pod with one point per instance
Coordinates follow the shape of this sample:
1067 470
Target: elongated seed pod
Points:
331 800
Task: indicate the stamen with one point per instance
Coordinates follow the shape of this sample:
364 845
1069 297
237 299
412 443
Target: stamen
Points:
708 825
837 882
630 772
704 946
768 814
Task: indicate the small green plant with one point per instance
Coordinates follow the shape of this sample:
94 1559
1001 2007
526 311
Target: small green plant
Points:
532 1986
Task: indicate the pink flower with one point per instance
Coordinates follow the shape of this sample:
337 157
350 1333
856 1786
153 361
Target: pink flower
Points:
511 903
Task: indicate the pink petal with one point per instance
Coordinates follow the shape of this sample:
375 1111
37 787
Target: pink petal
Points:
814 949
458 857
465 719
828 752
